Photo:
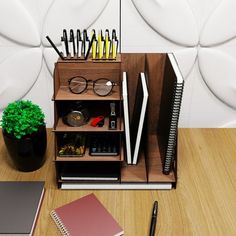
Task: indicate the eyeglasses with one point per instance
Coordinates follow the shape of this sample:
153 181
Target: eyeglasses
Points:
101 86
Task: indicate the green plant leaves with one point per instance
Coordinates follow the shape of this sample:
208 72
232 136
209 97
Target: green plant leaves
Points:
21 118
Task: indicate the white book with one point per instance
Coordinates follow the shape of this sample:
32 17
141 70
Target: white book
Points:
141 99
89 178
104 186
126 118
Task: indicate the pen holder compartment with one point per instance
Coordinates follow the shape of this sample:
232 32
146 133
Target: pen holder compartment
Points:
77 45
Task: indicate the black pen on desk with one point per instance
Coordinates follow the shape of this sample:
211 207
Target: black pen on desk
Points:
154 219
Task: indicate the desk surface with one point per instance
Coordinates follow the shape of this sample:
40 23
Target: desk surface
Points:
204 202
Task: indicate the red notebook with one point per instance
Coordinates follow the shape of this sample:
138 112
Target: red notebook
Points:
86 217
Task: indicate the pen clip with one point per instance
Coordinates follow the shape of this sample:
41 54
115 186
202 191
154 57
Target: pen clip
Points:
107 47
107 36
85 42
78 35
113 35
79 43
66 41
72 39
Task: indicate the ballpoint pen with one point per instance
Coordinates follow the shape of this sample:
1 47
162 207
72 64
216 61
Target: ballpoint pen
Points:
72 39
85 42
114 44
66 41
79 44
63 47
154 219
71 46
55 48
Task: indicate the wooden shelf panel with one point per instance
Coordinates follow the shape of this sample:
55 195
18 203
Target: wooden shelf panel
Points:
89 158
154 163
90 60
64 93
134 173
138 173
61 127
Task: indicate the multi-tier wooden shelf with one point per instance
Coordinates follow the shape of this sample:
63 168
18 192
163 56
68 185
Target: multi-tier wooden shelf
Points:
147 174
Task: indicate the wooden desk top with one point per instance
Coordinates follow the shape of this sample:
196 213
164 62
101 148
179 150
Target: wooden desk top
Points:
204 202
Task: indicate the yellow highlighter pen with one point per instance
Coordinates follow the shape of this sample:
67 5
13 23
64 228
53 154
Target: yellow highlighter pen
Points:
107 44
94 45
100 47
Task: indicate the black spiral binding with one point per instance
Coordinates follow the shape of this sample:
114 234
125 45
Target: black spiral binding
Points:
59 224
171 144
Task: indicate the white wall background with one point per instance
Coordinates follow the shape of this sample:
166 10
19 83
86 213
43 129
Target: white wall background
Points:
201 33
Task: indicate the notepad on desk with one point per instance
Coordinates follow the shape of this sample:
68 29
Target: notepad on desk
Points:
86 216
19 206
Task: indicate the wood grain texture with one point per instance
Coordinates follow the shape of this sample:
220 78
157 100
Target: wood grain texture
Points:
202 204
133 64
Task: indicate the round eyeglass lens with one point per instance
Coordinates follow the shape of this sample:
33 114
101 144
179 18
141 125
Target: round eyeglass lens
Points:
102 87
78 84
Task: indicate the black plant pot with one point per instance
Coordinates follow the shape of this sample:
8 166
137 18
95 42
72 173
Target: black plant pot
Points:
27 153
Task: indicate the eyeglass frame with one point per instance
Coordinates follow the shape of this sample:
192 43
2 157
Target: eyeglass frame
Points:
93 82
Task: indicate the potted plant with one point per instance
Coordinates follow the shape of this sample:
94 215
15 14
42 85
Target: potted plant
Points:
24 133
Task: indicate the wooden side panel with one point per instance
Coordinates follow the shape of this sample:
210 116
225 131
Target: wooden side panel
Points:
56 80
133 64
155 68
155 65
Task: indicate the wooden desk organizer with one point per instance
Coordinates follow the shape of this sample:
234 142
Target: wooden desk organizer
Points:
148 173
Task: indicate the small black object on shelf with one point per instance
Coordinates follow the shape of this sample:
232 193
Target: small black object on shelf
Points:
104 145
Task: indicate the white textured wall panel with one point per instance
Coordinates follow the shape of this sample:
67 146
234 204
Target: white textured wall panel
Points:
70 15
201 33
26 58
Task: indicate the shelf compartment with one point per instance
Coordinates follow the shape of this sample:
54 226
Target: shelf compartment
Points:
62 127
154 165
64 93
89 158
87 171
134 173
